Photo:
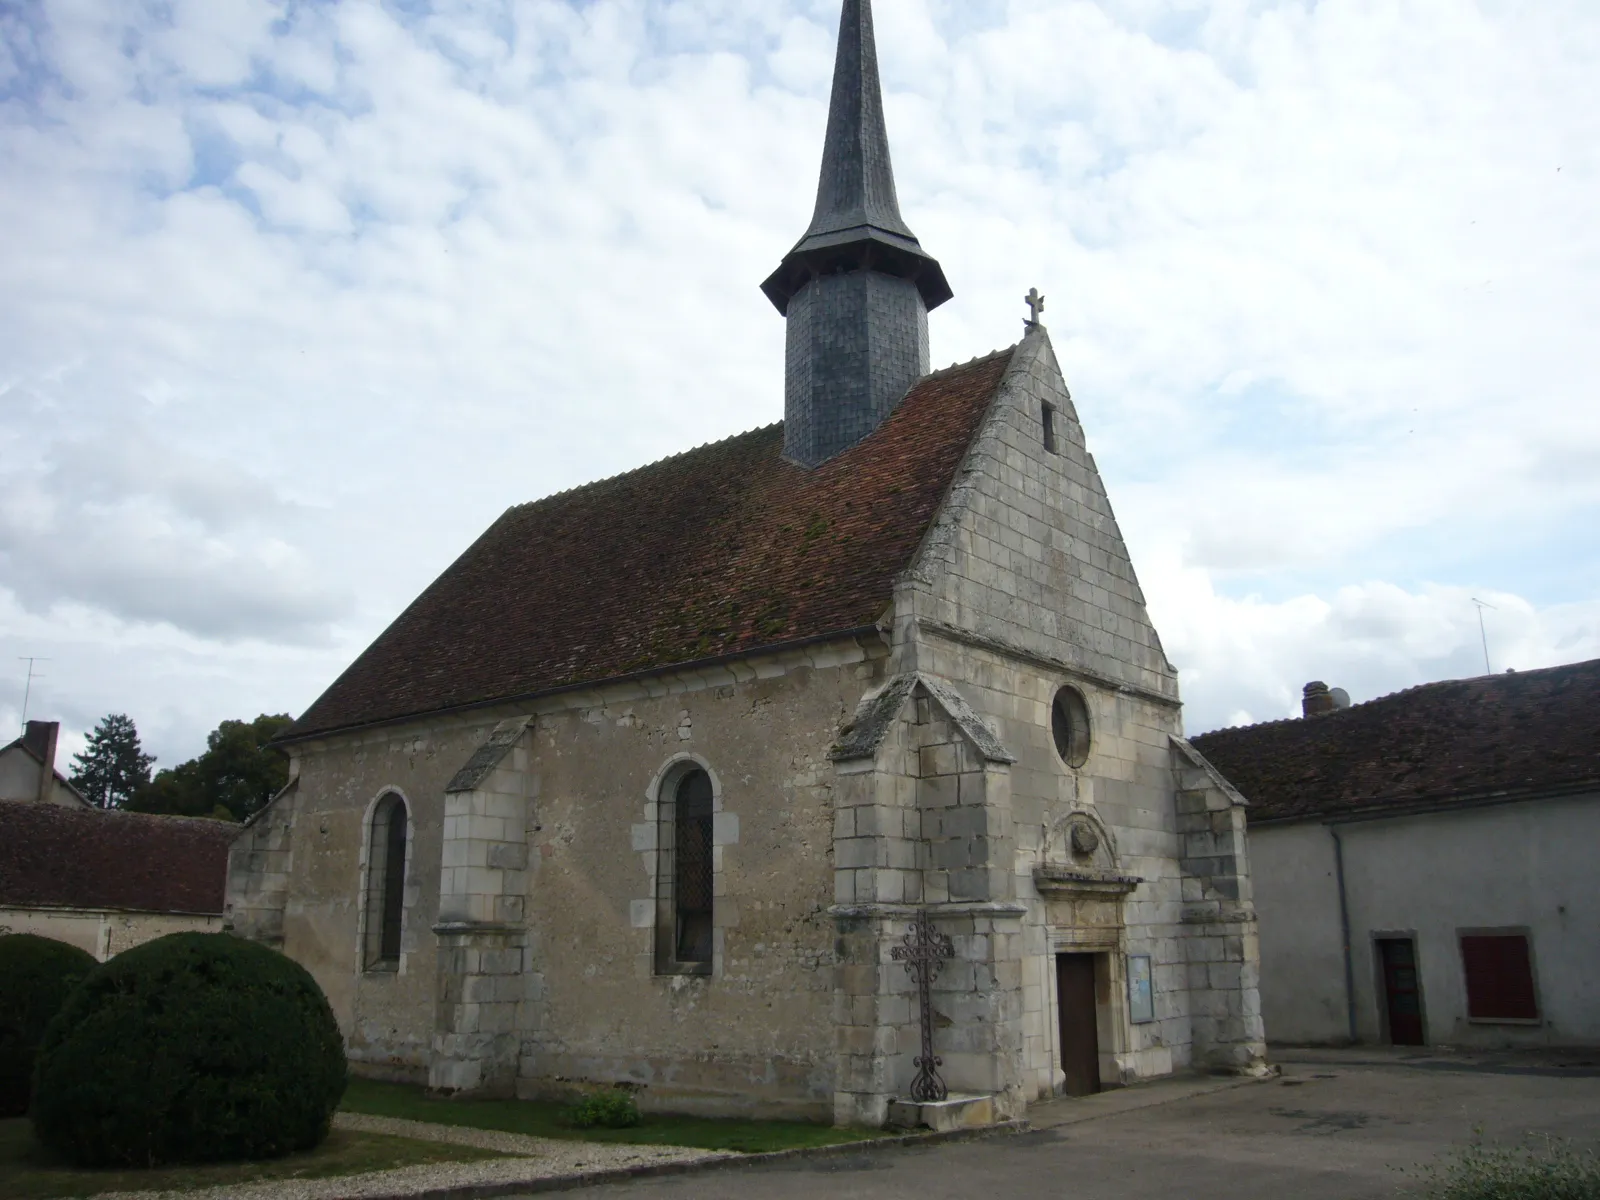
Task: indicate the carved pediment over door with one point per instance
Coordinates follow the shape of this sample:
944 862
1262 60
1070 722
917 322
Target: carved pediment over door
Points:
1080 861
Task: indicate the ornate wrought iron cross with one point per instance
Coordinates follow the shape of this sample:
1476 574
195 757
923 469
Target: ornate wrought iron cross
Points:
923 950
1035 303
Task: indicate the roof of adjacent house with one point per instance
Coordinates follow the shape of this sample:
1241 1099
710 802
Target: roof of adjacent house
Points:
720 551
21 745
1513 734
62 857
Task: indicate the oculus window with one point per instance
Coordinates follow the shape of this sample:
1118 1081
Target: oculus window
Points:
1069 725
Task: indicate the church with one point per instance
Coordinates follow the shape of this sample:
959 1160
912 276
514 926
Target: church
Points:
819 772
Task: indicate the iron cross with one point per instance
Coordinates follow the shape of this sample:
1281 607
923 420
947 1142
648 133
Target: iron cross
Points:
1035 303
923 950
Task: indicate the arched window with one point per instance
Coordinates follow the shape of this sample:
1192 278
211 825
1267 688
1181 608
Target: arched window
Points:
684 874
692 896
386 883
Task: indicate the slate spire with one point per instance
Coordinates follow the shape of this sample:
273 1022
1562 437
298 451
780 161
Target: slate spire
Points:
857 287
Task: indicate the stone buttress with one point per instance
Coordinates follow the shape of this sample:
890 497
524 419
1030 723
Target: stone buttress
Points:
488 981
923 821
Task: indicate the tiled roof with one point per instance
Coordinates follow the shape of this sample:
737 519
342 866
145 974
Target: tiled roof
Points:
76 858
1513 733
722 550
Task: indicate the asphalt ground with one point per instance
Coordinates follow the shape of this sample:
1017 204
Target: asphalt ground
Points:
1338 1124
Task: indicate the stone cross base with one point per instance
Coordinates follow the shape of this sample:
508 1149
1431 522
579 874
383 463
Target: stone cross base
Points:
956 1112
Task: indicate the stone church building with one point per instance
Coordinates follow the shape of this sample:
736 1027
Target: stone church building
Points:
649 785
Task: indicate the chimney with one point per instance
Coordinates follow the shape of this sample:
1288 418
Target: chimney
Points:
41 737
1316 699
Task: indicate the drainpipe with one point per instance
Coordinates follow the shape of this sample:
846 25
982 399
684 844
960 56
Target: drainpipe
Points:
1344 929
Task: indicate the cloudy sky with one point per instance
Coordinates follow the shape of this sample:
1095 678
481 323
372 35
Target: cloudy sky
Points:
296 297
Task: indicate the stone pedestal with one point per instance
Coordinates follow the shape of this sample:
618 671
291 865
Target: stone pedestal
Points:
959 1111
483 981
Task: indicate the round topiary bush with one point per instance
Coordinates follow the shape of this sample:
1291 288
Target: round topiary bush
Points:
195 1047
36 975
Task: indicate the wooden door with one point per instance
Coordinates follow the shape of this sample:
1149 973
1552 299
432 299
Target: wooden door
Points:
1402 990
1080 1047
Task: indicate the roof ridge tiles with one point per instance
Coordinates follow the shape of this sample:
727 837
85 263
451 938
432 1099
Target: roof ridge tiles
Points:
971 362
941 373
656 462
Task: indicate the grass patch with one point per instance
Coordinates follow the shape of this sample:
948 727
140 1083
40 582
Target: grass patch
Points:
26 1173
545 1119
1547 1169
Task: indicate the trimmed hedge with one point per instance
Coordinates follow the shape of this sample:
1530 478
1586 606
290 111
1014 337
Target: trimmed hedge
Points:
36 976
196 1047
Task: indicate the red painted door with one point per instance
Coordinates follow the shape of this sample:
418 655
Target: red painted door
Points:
1404 994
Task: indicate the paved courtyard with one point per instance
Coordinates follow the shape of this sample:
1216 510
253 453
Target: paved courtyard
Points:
1337 1125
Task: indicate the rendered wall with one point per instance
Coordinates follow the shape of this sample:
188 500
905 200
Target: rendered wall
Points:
103 933
19 780
1527 865
1302 947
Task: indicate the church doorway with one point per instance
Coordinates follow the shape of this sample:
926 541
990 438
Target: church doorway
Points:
1080 1043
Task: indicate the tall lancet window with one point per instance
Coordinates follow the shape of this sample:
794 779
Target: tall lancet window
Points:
692 878
685 874
386 883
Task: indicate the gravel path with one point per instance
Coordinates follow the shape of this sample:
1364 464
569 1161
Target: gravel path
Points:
540 1158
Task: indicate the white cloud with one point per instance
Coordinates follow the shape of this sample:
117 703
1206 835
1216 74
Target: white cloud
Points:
319 290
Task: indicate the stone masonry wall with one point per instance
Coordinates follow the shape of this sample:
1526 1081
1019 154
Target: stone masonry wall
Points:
1027 551
924 822
755 1035
387 1016
260 868
1023 586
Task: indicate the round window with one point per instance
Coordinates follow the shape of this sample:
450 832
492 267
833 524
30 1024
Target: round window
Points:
1069 722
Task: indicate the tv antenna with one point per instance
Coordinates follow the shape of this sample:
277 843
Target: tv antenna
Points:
27 689
1487 670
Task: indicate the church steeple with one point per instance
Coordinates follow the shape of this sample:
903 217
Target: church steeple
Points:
856 289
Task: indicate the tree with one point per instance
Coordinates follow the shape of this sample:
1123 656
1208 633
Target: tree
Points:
113 766
235 777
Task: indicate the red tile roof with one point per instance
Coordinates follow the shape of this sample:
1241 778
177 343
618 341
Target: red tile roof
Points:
719 551
1517 733
87 858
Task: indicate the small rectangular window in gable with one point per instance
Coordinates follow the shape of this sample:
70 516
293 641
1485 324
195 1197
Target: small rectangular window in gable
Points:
1050 428
1499 973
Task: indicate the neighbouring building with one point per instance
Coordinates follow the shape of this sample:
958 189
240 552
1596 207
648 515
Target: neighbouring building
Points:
28 769
107 880
647 787
1424 864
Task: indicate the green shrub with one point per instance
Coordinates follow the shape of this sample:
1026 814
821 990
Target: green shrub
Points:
1548 1171
36 976
195 1047
608 1110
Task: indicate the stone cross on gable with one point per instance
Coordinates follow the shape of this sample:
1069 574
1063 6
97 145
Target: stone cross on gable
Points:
1035 303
